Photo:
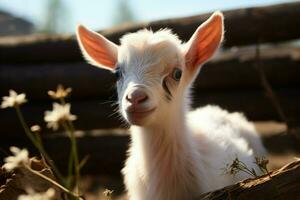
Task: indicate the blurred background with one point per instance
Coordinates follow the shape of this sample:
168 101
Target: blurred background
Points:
256 72
62 16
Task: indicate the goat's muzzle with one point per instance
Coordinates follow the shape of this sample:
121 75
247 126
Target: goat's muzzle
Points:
137 104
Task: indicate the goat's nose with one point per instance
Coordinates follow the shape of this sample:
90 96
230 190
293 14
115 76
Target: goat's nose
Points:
136 96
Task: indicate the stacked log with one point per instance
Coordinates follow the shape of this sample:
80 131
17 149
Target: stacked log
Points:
245 26
36 64
230 80
279 184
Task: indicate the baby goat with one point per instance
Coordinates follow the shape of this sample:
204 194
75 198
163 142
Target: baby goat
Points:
174 153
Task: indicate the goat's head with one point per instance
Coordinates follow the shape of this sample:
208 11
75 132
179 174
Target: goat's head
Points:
152 69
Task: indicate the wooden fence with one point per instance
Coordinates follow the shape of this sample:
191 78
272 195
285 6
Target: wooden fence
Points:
35 64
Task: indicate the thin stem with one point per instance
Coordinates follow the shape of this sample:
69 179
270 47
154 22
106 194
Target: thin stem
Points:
37 144
74 152
245 169
38 138
53 182
25 127
62 101
71 156
70 169
263 170
68 125
268 88
249 172
52 165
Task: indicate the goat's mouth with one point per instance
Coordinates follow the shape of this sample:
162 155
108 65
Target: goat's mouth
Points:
137 117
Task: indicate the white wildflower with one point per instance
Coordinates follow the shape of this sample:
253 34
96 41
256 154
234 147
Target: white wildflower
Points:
13 99
48 195
59 114
20 157
60 92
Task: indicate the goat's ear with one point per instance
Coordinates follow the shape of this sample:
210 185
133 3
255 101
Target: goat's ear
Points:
96 49
204 42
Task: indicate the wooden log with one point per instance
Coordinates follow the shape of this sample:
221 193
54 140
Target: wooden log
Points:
91 115
280 184
231 70
17 183
107 158
98 114
106 153
107 148
87 82
243 27
282 143
236 69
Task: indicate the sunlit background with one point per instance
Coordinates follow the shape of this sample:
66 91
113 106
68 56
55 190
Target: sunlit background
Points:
62 16
256 73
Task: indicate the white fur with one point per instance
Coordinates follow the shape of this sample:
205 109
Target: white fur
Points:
181 154
175 153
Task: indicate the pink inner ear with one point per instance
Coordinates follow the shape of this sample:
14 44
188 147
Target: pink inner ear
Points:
205 41
97 48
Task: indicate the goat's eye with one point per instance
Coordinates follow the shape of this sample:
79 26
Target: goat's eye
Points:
176 74
118 73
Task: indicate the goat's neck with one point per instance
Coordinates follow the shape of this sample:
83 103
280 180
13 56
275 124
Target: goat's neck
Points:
169 132
167 144
166 156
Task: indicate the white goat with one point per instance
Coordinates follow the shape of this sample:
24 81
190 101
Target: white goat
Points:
174 154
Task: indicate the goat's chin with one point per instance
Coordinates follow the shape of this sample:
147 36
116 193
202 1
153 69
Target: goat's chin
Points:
140 118
136 122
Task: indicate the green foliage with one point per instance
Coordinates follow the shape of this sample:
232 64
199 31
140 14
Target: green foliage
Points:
123 13
56 17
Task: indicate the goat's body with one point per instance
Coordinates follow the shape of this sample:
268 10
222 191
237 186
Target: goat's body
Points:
175 154
182 167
